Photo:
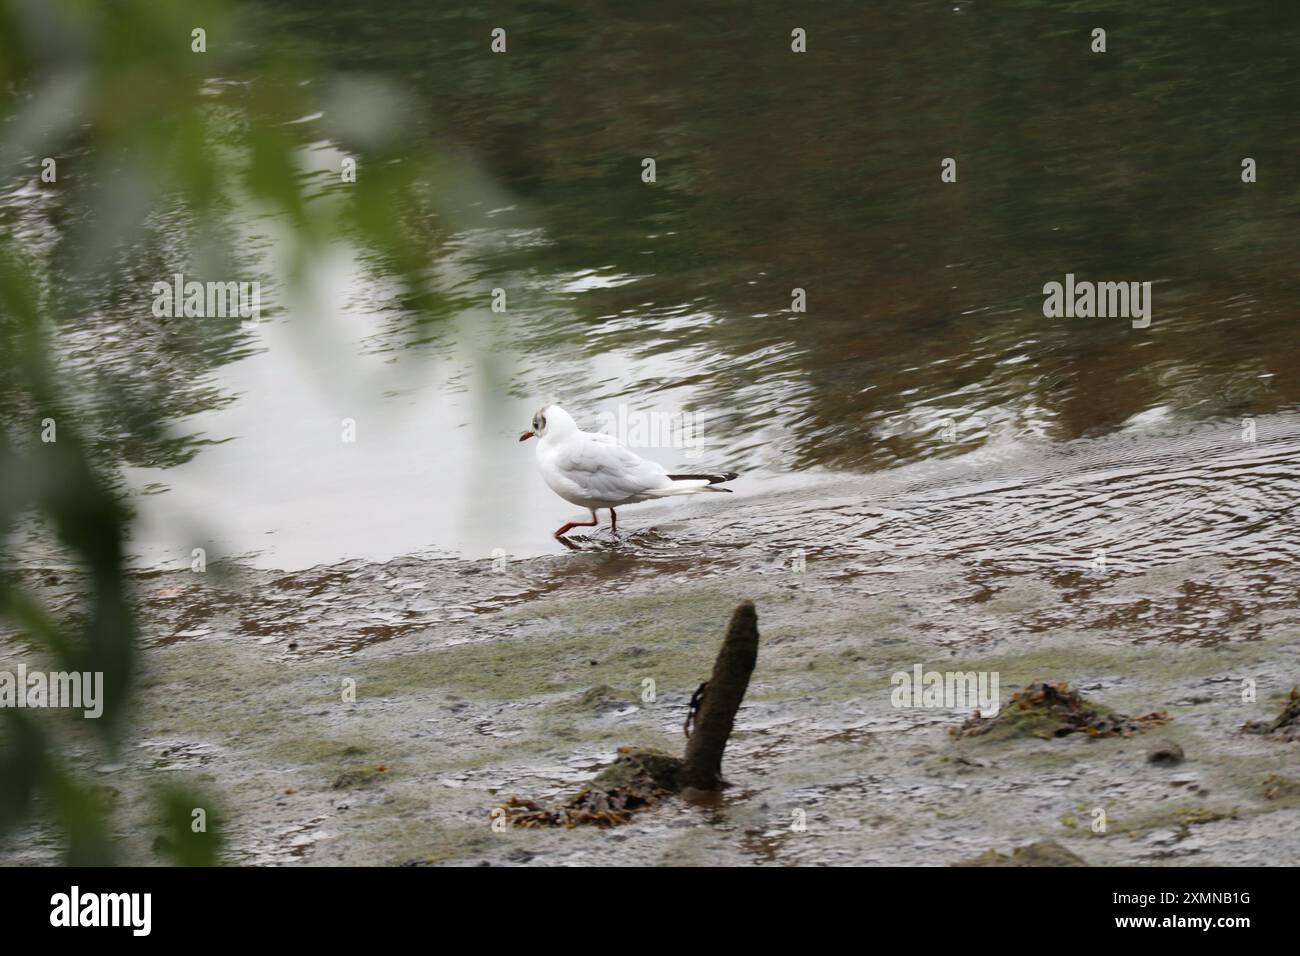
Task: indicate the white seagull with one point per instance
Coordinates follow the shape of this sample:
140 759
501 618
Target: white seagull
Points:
593 471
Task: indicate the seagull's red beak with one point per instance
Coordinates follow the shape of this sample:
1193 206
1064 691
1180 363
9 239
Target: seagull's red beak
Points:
525 436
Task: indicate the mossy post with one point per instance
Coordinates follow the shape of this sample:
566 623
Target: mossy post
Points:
639 777
702 766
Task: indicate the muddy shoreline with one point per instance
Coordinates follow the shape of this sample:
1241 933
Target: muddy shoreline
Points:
479 680
532 698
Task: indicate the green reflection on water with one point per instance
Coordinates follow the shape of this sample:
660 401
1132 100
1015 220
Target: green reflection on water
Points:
818 171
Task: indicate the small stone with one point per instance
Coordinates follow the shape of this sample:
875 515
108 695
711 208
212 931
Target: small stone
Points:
1168 755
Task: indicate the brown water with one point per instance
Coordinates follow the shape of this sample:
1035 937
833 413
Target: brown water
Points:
923 357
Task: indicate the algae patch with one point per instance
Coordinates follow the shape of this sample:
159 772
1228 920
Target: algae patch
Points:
1287 724
603 699
1048 710
636 780
1278 787
1045 853
359 777
1178 816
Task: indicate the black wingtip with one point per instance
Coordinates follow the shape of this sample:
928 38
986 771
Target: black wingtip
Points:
715 479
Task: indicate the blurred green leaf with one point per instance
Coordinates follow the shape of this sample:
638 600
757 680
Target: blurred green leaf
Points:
191 829
157 147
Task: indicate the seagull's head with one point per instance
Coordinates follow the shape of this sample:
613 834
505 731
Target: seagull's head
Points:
550 420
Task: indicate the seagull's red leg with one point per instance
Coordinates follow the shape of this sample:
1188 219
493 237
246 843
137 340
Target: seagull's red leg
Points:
613 521
577 524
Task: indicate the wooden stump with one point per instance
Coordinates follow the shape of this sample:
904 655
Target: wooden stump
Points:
702 766
639 778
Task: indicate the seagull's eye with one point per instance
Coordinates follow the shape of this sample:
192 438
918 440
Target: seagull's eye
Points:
543 425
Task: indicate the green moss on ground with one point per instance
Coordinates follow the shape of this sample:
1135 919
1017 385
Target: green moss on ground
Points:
1044 853
1286 726
1048 710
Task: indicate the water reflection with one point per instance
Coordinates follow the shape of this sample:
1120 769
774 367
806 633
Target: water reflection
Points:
923 338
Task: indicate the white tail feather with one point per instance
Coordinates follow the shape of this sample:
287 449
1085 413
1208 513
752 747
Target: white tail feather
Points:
686 487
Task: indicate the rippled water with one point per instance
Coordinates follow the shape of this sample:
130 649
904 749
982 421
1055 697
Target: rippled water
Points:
922 405
1184 536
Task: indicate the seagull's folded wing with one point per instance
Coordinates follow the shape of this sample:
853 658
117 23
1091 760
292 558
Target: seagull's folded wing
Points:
609 472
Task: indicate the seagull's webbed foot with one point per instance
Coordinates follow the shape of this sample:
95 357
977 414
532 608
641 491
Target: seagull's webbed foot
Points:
559 535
